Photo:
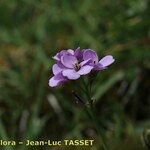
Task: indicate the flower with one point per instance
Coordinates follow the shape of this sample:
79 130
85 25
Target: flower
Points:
95 62
73 68
70 65
59 67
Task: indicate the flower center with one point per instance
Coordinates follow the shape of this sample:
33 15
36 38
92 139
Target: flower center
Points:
77 66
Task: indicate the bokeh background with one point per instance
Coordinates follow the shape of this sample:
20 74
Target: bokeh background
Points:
32 31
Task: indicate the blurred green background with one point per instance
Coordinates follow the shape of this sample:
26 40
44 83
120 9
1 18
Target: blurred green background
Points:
32 31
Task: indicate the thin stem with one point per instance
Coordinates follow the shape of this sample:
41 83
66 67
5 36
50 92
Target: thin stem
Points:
94 119
91 113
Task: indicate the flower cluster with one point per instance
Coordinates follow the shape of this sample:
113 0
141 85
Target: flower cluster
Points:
71 64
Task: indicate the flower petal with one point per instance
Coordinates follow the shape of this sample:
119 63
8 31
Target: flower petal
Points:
107 60
57 80
70 74
58 55
78 54
85 70
70 51
85 62
90 54
53 82
99 67
56 69
68 60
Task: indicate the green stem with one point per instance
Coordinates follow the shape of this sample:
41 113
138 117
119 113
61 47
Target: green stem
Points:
99 132
91 113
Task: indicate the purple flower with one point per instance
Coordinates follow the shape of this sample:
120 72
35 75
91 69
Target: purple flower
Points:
61 70
73 69
70 65
95 62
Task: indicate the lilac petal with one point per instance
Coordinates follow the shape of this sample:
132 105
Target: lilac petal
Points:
77 50
107 60
71 74
61 53
56 69
90 54
60 76
85 62
78 54
61 65
56 80
68 61
98 66
56 57
53 82
70 51
85 70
